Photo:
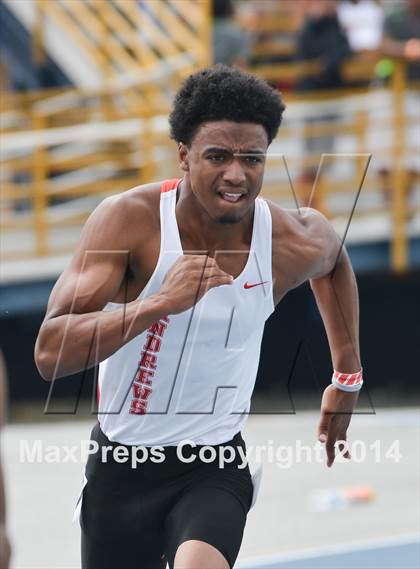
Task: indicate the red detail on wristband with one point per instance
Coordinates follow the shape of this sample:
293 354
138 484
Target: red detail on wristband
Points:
348 378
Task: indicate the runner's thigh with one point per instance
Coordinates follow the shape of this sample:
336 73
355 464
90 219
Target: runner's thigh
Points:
210 514
116 532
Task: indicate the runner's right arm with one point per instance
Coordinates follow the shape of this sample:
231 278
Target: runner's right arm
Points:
76 333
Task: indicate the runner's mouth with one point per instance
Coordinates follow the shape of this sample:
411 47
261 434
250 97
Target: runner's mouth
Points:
231 197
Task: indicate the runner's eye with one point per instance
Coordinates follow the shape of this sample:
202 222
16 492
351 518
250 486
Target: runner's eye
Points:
252 159
217 158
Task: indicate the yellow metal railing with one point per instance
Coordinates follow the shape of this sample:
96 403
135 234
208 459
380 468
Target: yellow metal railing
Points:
123 35
399 208
74 147
142 52
363 70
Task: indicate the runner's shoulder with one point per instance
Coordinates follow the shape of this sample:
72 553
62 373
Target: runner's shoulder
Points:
305 222
136 209
304 238
140 203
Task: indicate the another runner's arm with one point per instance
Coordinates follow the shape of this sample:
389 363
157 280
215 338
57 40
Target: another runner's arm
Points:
4 540
76 333
334 285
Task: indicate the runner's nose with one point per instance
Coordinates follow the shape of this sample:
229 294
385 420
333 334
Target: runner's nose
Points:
234 173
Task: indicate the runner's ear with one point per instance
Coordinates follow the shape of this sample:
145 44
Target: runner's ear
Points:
183 156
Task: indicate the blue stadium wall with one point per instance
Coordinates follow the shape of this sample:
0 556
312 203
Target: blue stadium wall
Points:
295 353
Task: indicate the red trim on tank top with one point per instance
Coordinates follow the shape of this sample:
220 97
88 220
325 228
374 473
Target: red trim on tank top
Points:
169 185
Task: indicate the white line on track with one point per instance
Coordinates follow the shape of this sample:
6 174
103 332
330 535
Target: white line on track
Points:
309 553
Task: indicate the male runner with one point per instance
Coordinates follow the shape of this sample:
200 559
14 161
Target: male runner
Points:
169 288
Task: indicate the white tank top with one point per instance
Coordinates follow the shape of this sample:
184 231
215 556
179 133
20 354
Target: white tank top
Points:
191 375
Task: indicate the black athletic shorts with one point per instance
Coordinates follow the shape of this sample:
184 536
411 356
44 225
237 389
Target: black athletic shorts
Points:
136 518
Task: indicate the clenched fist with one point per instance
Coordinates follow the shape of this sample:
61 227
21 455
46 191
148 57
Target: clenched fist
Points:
189 279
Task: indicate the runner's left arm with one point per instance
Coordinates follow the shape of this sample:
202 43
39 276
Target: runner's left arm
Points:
334 285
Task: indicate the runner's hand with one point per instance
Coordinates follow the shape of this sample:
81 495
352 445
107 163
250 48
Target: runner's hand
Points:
189 279
337 407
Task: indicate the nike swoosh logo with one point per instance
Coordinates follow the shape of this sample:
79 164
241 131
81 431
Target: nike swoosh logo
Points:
247 285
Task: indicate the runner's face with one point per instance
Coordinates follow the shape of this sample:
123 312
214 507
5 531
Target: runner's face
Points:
225 164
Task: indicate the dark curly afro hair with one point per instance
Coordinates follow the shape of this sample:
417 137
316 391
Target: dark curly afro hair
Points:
220 93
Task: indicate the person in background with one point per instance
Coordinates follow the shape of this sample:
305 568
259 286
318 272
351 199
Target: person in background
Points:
401 40
231 44
320 38
401 36
362 21
4 541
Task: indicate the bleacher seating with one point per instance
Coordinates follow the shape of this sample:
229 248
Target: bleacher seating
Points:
65 149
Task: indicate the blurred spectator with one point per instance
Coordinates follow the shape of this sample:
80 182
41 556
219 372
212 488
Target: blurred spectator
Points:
362 21
320 38
401 36
231 44
401 39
